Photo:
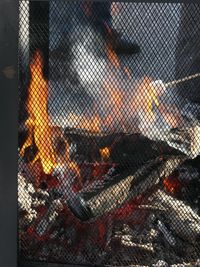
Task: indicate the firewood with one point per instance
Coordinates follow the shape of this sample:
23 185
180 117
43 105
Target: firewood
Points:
83 132
105 139
182 219
49 217
160 263
100 139
127 241
189 264
115 195
25 200
168 235
186 139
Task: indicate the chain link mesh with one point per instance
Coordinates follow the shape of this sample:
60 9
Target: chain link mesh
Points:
109 141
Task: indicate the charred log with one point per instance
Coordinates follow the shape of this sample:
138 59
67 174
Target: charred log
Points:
128 150
182 219
114 195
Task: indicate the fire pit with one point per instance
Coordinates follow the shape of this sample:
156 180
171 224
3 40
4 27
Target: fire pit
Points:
109 136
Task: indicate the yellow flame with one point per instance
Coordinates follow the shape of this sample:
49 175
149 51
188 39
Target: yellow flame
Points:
38 123
145 97
105 153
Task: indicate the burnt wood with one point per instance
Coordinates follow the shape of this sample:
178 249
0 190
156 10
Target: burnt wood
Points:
114 196
182 219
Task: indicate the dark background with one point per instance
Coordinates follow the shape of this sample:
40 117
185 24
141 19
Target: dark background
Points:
8 132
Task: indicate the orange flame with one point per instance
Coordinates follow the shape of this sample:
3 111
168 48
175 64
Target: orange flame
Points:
127 72
89 123
41 132
112 56
105 153
38 122
143 101
40 129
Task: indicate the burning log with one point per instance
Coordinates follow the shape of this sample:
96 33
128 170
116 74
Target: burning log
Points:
114 195
82 132
168 236
181 218
160 263
99 140
189 264
186 139
127 241
49 218
130 150
25 190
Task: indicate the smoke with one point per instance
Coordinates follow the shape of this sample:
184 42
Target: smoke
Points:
90 84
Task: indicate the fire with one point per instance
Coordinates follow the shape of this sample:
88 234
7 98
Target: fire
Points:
172 183
127 72
89 123
112 56
113 104
105 153
114 101
141 104
146 96
143 101
38 124
41 132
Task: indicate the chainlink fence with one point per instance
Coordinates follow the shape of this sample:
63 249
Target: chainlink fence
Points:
109 134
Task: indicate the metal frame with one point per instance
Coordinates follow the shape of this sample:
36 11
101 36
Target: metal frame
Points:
8 134
136 1
40 264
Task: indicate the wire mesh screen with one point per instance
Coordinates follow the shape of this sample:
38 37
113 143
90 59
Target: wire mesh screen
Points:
109 133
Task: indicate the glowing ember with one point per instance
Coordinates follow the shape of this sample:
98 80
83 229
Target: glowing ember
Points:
172 183
105 153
